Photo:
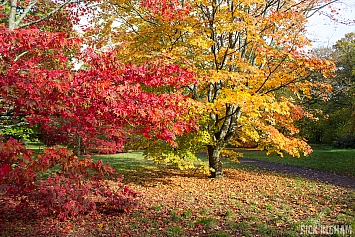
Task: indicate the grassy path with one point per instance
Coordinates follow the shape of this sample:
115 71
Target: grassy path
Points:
318 175
341 161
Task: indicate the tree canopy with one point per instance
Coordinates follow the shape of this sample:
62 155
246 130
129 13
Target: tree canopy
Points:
248 56
96 104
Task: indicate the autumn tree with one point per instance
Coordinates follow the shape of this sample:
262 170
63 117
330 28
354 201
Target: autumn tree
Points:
35 69
103 100
99 103
248 57
46 16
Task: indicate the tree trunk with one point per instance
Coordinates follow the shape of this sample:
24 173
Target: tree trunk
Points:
222 138
79 147
214 158
12 15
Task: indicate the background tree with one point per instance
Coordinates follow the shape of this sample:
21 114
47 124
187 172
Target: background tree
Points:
248 56
338 110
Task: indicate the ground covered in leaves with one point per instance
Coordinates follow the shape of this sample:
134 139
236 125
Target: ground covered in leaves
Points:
248 201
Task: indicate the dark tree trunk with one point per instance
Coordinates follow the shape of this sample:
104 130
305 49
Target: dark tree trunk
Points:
79 146
222 137
214 158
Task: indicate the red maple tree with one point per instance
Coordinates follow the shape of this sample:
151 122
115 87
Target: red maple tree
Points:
99 104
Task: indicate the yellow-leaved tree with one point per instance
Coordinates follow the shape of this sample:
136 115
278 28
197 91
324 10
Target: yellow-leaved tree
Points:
248 55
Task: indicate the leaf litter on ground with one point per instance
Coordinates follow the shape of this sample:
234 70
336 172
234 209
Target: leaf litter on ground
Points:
247 201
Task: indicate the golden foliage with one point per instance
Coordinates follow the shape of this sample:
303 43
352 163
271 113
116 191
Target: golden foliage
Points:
248 55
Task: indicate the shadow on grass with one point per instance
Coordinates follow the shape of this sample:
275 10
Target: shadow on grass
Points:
144 172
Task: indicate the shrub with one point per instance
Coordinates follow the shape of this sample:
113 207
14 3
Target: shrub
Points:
347 141
78 187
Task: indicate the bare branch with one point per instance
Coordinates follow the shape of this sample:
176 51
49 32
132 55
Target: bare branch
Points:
315 10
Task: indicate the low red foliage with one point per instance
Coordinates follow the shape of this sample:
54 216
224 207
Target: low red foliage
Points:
74 190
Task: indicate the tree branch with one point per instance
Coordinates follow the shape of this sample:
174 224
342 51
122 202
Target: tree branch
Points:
19 56
4 2
315 10
28 8
288 83
49 14
14 125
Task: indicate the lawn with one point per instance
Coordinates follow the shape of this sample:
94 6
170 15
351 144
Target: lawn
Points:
323 157
35 146
247 202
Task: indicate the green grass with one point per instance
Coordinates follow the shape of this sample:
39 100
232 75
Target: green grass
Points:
123 162
126 161
35 146
322 158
